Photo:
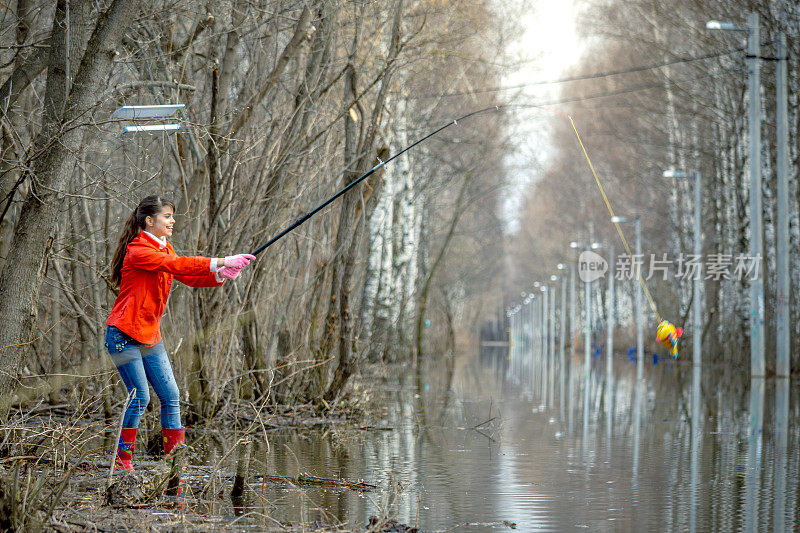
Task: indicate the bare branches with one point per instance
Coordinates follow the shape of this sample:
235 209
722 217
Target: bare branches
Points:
301 32
271 127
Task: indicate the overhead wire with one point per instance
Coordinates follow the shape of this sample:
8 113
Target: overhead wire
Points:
545 106
592 76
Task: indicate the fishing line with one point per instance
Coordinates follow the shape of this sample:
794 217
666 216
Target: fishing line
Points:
454 122
616 224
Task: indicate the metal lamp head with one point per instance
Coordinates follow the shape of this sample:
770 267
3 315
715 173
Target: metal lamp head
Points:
672 173
719 25
146 111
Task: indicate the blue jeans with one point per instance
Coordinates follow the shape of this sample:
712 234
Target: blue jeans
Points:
137 364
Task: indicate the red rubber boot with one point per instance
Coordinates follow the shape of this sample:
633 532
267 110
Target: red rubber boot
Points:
127 440
174 439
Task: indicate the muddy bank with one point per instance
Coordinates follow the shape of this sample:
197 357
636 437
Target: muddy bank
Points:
252 467
55 470
82 494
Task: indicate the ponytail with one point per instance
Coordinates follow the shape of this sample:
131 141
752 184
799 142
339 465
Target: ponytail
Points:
130 231
148 207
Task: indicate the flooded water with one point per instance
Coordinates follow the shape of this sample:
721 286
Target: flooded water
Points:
496 442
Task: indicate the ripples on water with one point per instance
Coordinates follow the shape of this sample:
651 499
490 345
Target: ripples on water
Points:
503 444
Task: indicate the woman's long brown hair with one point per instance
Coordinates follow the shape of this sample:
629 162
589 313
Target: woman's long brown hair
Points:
148 207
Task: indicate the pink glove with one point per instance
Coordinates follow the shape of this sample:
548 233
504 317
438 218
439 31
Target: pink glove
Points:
238 261
230 273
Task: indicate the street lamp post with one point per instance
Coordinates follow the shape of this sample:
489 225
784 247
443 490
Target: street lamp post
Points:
587 344
757 364
697 316
513 324
587 354
610 324
532 340
637 222
524 326
537 343
562 338
551 354
573 313
611 303
545 344
611 299
782 238
637 302
587 322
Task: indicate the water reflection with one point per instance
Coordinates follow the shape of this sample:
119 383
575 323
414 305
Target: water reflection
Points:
677 450
637 428
782 520
710 479
754 453
696 450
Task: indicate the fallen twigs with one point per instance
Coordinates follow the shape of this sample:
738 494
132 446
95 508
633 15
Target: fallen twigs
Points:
306 479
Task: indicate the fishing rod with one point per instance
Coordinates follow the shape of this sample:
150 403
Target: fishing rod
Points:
294 225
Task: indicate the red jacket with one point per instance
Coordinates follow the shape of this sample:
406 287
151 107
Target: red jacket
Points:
147 273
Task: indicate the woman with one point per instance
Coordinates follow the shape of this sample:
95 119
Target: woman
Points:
143 267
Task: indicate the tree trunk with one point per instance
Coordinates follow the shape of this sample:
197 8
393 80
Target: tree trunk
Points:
50 168
426 286
350 230
56 343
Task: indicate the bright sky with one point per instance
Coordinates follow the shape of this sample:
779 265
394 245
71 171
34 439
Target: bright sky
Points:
549 40
547 47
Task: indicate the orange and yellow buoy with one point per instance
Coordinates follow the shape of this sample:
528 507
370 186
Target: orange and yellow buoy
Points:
667 334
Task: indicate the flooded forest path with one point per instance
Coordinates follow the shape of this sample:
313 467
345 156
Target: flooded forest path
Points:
495 442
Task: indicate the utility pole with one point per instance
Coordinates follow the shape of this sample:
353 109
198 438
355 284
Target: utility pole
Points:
587 352
551 354
638 300
562 338
610 338
782 244
573 318
753 29
611 318
757 367
545 344
697 327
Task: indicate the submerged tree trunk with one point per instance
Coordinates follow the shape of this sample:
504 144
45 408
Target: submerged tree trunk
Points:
355 210
426 284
